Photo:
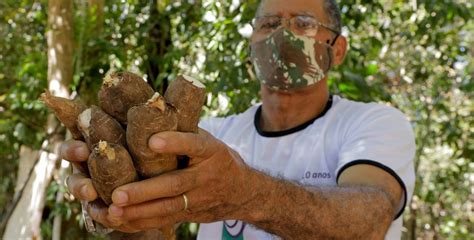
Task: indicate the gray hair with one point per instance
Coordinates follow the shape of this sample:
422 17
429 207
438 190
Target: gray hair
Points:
334 13
332 10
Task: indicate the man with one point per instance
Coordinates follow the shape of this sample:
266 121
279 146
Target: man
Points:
302 165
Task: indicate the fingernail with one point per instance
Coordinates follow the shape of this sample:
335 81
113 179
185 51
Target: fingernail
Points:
115 211
81 152
157 143
93 211
120 198
85 191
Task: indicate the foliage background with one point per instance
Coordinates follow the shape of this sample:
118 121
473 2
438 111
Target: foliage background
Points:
414 55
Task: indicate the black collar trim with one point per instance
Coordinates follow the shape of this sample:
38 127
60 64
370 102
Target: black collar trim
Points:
282 133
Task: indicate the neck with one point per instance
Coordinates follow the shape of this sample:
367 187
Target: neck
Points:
285 110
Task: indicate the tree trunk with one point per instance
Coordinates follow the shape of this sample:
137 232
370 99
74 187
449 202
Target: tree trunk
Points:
26 166
60 46
25 221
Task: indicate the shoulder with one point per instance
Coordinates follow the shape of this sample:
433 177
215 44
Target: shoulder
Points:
365 110
376 132
356 115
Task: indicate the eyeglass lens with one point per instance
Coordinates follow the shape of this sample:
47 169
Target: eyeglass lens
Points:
299 24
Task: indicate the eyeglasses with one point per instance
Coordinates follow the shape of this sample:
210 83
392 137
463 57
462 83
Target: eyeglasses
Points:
300 24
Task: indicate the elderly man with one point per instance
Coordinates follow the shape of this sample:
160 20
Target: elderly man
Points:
302 165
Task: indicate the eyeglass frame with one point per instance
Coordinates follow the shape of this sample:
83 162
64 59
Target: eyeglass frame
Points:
288 21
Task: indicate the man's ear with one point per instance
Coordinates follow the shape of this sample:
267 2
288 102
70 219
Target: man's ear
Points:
339 50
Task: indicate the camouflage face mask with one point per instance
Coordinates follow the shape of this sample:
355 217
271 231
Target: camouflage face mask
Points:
285 61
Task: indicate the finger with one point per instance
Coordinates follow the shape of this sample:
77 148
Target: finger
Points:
201 145
157 208
124 229
74 151
161 222
81 187
167 185
99 212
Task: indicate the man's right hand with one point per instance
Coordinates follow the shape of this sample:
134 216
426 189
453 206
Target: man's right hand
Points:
79 184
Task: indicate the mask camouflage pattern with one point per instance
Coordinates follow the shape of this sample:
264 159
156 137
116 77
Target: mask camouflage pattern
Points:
285 61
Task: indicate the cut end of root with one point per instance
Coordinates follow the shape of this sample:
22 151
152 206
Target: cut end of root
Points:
157 101
84 120
112 79
105 150
194 81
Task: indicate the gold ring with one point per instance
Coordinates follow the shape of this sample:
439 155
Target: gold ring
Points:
185 202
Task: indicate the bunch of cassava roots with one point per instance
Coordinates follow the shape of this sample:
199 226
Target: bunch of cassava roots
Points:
117 131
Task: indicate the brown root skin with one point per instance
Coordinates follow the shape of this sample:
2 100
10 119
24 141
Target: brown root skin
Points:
121 91
66 111
144 121
187 95
110 166
96 125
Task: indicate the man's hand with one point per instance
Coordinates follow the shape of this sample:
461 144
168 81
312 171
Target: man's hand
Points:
216 185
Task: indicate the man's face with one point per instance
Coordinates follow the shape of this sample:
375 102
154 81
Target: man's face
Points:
289 55
287 9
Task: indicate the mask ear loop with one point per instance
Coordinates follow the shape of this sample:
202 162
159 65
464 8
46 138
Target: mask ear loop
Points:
330 59
335 39
330 52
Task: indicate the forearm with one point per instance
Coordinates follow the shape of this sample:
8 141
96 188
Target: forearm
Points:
296 212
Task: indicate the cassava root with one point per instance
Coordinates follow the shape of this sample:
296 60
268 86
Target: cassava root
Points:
143 121
110 166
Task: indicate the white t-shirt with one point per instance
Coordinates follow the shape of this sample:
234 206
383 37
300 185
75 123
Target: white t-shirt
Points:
315 153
